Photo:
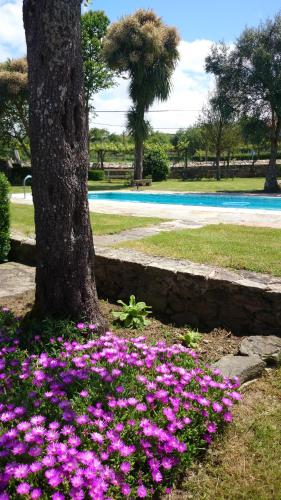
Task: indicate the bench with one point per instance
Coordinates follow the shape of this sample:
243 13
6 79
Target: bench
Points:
141 182
118 175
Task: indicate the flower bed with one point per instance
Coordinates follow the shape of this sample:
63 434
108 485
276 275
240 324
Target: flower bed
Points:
104 417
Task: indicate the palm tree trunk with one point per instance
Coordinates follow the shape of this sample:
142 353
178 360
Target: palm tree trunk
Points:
138 159
139 140
65 280
271 183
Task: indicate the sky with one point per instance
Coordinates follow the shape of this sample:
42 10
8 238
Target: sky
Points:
200 23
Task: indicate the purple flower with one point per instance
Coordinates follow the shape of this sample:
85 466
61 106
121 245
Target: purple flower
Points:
217 407
212 427
142 491
228 417
23 489
227 402
58 496
36 493
125 467
81 326
126 490
21 471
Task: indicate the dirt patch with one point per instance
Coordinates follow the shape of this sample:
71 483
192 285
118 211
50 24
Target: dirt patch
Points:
213 345
20 304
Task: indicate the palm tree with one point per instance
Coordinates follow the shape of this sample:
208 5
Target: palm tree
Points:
142 46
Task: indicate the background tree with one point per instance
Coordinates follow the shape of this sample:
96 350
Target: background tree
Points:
256 133
215 120
97 75
142 46
187 142
65 283
13 104
252 73
232 138
163 138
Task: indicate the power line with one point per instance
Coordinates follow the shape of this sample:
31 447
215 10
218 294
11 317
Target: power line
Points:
151 111
124 126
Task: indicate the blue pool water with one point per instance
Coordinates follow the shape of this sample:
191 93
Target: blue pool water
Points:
200 200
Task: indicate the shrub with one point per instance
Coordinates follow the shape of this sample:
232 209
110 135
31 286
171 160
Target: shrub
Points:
133 315
96 175
4 217
156 164
102 417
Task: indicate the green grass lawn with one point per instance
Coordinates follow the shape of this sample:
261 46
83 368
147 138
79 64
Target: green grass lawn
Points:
205 185
22 221
236 247
209 185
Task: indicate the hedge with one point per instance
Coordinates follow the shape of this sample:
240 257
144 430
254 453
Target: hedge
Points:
96 175
4 217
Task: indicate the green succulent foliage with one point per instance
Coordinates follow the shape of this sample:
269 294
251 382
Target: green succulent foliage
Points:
190 338
133 315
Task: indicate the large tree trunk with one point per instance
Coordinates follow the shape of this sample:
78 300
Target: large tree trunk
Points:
65 282
271 183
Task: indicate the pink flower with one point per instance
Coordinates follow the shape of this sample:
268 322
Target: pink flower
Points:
227 402
235 395
23 489
36 493
21 471
217 407
157 476
142 491
211 427
141 407
84 394
125 467
81 326
126 490
228 417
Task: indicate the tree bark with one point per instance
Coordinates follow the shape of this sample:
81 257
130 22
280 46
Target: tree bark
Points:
65 281
271 183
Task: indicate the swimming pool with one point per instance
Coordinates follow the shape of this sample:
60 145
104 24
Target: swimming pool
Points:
200 200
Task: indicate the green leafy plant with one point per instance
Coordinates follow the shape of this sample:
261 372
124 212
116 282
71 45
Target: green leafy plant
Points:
133 315
190 338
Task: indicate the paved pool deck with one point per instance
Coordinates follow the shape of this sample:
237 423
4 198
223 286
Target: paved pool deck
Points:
191 214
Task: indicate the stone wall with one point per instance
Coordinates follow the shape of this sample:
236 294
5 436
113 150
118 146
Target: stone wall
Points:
185 293
208 171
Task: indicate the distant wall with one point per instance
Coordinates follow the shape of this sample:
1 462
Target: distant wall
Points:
202 171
